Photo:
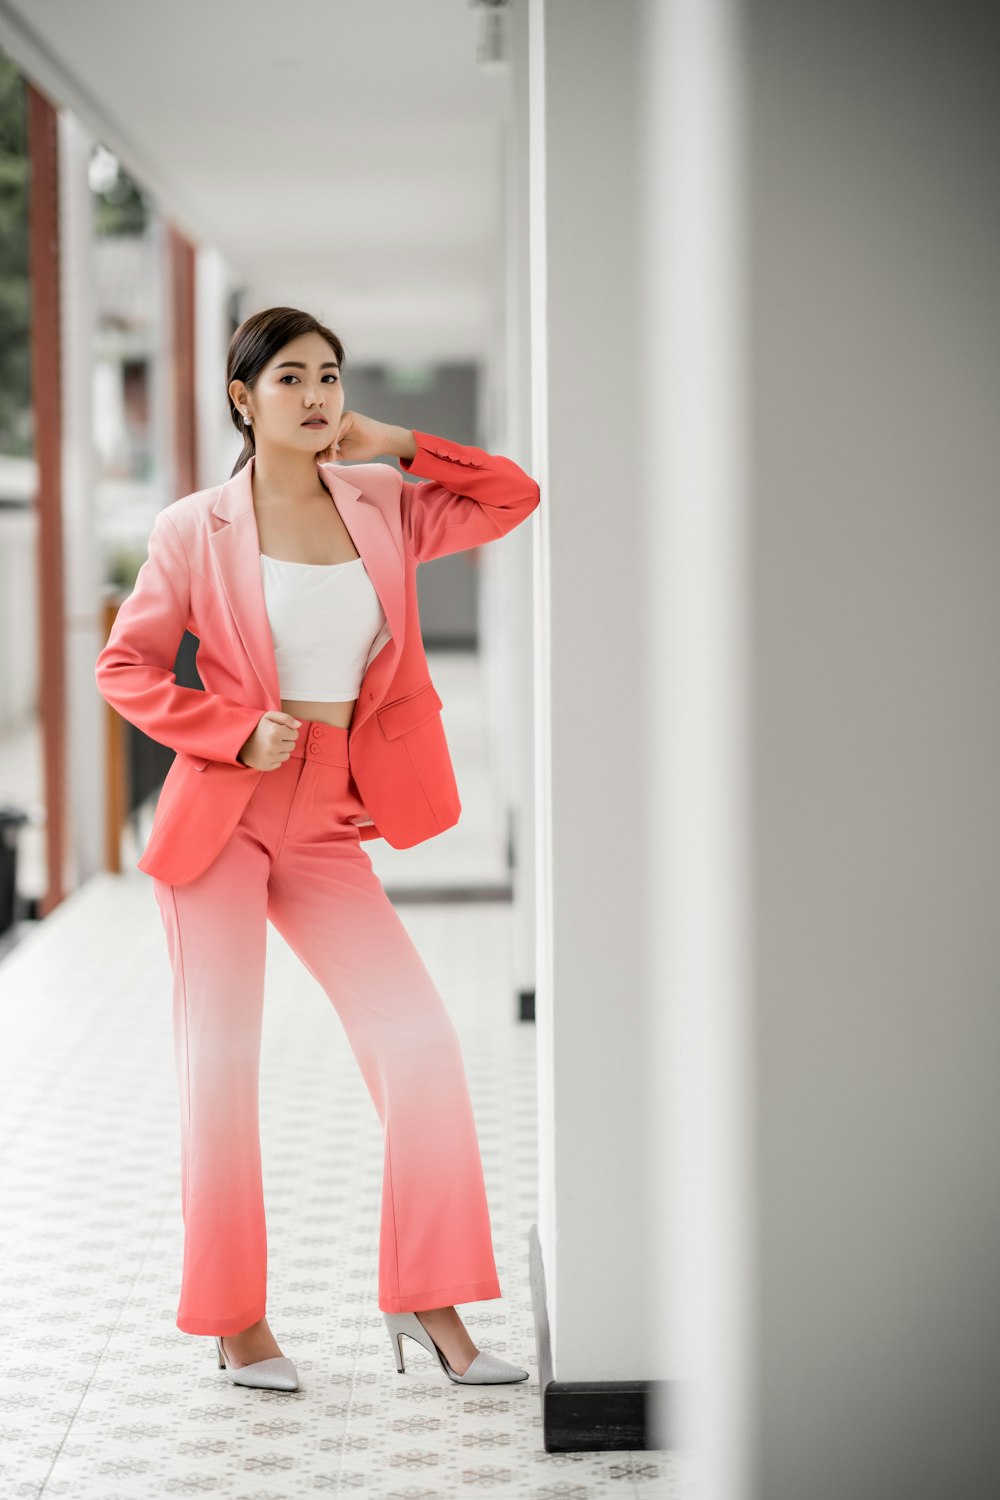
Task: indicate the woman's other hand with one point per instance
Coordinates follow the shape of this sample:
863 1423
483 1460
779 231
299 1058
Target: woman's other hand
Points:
271 743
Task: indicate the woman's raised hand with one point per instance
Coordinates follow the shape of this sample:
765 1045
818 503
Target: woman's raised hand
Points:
359 439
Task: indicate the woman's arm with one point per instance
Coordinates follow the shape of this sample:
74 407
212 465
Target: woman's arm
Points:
134 672
470 497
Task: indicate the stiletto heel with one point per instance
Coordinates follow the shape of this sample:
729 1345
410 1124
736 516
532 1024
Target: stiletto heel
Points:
485 1369
275 1374
397 1349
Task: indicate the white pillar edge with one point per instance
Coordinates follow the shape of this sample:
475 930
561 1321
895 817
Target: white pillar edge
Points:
698 731
538 358
84 718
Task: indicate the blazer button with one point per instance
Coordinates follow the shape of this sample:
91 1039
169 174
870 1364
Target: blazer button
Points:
314 749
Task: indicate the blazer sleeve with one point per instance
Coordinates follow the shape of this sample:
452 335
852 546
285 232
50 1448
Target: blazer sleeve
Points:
135 670
470 497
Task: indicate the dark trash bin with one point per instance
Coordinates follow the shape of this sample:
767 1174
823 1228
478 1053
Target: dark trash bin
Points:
11 819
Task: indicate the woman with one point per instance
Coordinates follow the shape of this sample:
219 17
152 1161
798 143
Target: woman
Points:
318 727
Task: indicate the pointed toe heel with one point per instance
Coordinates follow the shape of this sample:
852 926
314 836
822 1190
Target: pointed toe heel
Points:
275 1374
485 1369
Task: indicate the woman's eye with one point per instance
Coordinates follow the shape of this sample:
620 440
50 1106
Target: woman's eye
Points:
329 376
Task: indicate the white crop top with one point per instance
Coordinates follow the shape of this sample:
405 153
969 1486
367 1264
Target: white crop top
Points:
325 618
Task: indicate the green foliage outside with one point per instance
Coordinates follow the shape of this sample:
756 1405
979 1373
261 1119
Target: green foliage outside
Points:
119 208
16 435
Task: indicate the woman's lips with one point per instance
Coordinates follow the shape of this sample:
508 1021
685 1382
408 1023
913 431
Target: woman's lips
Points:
315 422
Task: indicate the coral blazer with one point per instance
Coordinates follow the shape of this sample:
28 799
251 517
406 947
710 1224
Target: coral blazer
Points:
203 574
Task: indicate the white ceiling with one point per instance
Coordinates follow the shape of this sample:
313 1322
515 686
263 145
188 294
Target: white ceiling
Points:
343 156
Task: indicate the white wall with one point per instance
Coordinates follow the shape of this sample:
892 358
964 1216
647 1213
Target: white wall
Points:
589 693
821 344
874 277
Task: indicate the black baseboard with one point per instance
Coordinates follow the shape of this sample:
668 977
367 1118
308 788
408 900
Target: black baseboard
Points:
590 1416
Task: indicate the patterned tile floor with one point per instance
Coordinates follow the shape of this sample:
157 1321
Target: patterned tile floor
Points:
102 1397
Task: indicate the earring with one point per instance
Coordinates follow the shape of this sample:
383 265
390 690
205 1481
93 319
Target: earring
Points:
246 419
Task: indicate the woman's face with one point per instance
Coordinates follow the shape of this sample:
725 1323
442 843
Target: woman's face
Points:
301 381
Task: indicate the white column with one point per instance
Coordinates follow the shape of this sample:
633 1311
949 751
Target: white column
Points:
160 378
85 710
505 565
594 1215
693 720
218 443
522 548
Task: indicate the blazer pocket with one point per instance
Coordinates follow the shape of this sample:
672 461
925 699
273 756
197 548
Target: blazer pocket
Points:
406 713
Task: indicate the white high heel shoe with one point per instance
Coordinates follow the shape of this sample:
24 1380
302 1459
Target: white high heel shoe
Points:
486 1369
275 1374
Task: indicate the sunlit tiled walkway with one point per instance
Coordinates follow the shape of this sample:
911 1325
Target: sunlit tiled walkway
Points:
101 1395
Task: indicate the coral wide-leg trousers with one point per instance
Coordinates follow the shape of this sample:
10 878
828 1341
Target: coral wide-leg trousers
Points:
296 860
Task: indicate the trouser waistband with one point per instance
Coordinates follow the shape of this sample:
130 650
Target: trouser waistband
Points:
325 744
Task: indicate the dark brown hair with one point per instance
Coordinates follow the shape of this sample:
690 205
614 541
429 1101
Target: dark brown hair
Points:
254 344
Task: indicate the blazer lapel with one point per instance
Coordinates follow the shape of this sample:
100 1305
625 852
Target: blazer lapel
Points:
236 547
